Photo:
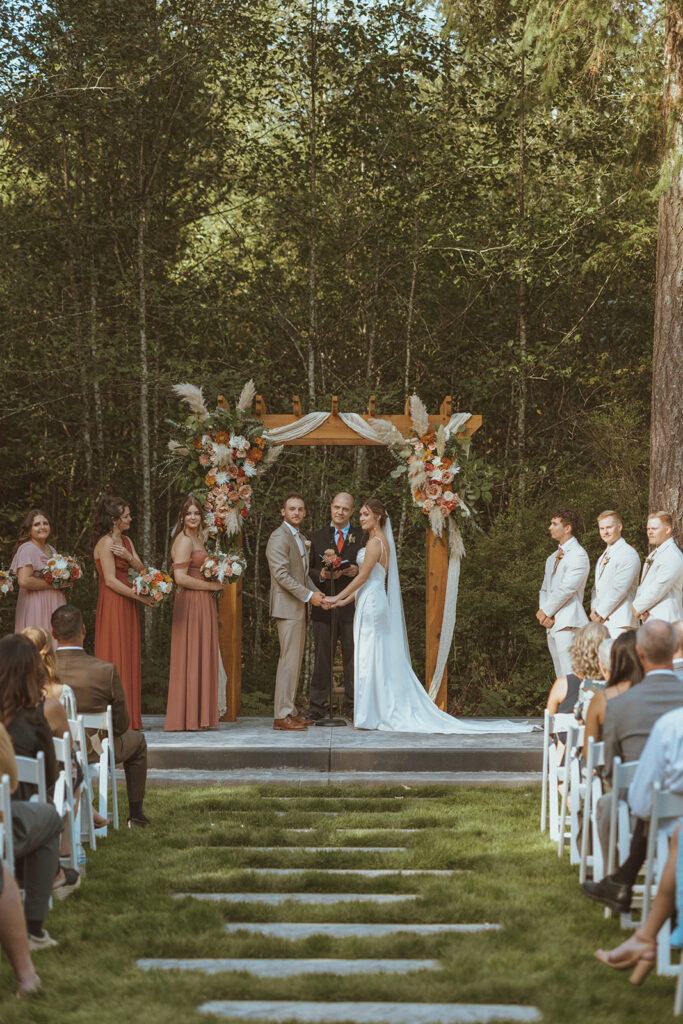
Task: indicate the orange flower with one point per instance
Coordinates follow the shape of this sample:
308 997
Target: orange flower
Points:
209 479
428 438
255 455
260 442
446 462
221 437
197 443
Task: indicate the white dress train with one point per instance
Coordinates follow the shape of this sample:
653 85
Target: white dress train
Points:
388 694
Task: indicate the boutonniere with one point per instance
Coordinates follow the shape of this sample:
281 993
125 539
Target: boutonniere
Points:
307 544
605 561
351 539
560 555
650 559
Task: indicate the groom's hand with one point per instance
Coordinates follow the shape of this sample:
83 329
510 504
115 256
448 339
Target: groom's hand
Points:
317 598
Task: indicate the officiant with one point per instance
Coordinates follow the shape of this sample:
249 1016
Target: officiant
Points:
339 542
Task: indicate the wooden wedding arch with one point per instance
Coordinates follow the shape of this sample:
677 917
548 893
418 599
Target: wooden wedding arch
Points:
336 433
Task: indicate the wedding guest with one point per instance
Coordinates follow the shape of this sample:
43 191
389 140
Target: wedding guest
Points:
117 625
622 672
291 589
97 685
14 938
560 609
565 691
52 686
659 595
36 826
37 599
616 577
193 675
345 541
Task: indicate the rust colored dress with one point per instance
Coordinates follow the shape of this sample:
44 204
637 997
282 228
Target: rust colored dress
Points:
117 634
193 677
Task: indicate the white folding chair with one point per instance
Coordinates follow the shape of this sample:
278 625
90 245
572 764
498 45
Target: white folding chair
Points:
666 806
64 795
554 773
85 808
620 831
572 794
595 758
32 770
68 701
105 769
6 838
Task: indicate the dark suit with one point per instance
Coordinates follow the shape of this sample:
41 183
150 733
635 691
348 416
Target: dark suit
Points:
324 621
96 684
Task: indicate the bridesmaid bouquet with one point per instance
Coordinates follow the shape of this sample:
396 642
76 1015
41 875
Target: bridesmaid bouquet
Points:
6 582
223 568
61 571
152 583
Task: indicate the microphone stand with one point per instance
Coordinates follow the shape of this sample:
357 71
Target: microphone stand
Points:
331 720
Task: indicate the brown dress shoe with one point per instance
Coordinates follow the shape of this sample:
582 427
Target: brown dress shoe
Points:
288 723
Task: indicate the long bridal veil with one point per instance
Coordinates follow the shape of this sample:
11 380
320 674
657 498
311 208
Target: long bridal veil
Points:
397 619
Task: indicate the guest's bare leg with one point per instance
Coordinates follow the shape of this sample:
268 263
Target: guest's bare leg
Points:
13 937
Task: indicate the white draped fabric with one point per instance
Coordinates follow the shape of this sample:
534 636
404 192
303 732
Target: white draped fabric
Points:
377 430
222 684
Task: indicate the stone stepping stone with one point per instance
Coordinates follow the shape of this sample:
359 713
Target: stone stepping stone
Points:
290 967
365 872
356 831
305 848
370 1013
290 930
298 897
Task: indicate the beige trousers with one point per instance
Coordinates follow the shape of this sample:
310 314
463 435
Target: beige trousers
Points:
292 634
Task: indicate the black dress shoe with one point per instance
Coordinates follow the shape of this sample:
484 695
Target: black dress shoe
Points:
615 895
138 822
317 716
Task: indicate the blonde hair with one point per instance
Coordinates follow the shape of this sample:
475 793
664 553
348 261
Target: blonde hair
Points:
584 650
41 639
610 512
666 518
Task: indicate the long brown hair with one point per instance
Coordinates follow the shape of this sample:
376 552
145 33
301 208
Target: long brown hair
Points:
624 663
109 509
377 509
24 533
43 643
21 676
189 502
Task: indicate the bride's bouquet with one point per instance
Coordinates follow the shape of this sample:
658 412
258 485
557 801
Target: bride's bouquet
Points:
152 583
61 571
6 582
223 568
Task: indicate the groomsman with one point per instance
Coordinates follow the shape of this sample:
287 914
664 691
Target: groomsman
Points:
291 589
560 601
346 540
661 582
616 577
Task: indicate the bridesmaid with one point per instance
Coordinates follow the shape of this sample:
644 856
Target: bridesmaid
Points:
117 626
37 599
193 677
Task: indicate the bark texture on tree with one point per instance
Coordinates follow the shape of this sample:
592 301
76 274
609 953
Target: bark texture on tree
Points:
666 431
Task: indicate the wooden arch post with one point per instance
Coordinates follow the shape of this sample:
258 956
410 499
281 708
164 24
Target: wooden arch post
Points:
334 432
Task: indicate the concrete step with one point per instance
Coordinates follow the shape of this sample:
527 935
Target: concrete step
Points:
277 1012
273 898
299 930
290 967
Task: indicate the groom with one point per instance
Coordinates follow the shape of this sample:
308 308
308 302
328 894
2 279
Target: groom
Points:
345 541
291 589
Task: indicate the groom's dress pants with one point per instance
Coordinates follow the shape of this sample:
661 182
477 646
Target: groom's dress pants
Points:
292 634
320 682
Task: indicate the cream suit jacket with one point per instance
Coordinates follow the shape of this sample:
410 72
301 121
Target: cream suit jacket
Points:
290 583
661 584
616 582
561 595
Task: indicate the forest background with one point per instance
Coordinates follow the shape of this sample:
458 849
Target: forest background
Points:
352 199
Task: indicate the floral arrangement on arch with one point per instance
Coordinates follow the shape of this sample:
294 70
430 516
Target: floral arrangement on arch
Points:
223 451
434 462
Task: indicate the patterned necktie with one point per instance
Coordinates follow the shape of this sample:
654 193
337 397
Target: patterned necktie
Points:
340 541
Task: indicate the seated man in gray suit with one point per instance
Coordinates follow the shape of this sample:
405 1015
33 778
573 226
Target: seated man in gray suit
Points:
96 684
629 719
678 653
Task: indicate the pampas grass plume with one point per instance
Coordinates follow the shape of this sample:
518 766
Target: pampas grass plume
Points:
194 397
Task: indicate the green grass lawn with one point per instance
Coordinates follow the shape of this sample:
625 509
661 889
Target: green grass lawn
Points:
510 875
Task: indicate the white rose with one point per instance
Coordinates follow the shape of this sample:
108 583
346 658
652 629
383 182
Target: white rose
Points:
237 569
436 461
435 475
448 496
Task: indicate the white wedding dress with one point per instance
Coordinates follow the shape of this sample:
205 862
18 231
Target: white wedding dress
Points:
388 694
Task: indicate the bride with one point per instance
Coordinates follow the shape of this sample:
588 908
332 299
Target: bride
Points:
388 694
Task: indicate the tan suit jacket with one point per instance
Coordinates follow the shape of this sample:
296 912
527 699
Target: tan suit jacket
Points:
95 684
290 583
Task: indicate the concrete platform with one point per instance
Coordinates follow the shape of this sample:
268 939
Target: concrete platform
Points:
251 746
277 1012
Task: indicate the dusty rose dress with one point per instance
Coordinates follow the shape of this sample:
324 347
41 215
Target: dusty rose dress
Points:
193 678
117 635
35 607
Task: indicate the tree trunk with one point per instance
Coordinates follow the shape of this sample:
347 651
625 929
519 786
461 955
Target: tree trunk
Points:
666 431
522 303
313 210
145 513
97 396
